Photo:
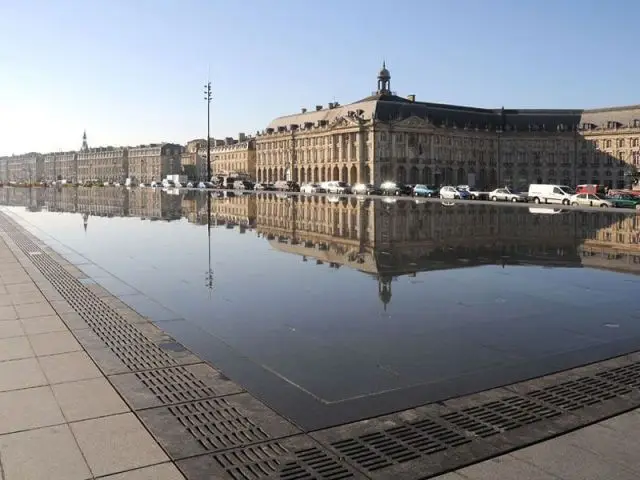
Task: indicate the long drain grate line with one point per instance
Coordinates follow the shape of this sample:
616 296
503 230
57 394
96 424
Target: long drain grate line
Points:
243 450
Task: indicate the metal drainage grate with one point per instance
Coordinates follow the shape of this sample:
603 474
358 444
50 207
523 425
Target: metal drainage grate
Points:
216 424
500 416
580 393
378 450
629 375
175 385
265 461
312 463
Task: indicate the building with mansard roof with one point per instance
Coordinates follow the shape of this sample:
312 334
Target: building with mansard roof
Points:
389 137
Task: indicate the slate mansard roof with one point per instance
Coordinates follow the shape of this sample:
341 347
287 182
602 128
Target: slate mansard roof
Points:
387 108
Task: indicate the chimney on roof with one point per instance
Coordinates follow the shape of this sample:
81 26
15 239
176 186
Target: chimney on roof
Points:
304 110
411 98
318 108
242 137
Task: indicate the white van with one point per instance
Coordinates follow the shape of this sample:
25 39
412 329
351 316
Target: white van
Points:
546 193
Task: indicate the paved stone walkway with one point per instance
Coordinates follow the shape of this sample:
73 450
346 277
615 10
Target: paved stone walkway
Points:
60 418
608 450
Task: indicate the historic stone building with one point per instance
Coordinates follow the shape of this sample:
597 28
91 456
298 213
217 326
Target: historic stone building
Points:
151 163
234 156
103 164
388 137
4 173
25 168
194 159
61 166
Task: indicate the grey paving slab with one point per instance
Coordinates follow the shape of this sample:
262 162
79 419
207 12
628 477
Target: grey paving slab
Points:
15 348
7 312
27 409
48 453
163 471
569 462
53 343
167 386
214 424
86 399
24 373
46 324
504 467
68 367
134 447
34 310
11 328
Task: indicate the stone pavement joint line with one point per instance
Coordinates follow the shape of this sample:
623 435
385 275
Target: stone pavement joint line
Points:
85 380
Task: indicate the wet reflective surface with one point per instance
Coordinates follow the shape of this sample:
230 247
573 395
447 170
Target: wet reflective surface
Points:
332 310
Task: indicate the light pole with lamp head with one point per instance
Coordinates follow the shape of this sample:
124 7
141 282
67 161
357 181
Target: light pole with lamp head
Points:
207 97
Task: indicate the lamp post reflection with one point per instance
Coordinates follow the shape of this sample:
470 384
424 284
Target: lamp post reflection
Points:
209 272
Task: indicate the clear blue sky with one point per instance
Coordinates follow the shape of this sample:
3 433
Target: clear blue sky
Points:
132 71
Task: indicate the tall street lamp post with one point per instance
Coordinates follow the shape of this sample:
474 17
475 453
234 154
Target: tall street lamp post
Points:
207 97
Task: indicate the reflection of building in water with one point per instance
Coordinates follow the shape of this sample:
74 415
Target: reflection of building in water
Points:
615 246
145 203
103 201
405 237
60 199
31 198
392 239
194 208
232 210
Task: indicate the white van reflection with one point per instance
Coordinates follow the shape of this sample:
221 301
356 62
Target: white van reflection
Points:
547 211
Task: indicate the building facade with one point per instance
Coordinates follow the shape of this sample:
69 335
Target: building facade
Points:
103 164
26 168
152 163
387 137
61 166
4 174
234 156
194 159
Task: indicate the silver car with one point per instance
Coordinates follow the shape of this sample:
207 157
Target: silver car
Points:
506 195
590 200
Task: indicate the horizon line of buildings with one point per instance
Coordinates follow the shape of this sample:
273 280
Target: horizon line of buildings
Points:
141 163
385 137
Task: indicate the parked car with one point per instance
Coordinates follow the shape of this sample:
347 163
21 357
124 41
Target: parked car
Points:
312 188
622 200
474 192
507 195
264 186
243 185
366 189
286 186
395 188
590 200
335 186
421 190
453 193
547 193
